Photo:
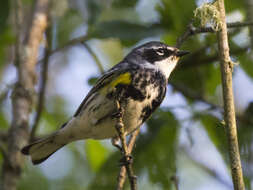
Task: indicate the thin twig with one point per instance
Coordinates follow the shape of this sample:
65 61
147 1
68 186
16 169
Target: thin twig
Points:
91 52
188 63
239 24
42 91
122 172
127 159
191 30
72 42
228 98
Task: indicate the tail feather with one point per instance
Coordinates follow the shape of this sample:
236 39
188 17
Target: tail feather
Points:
42 149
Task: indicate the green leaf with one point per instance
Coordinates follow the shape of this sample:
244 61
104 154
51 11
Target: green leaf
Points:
199 73
193 82
66 25
4 13
247 180
105 177
94 9
3 121
246 63
126 14
232 5
113 50
6 38
92 81
172 16
27 2
123 30
157 152
124 3
96 154
33 178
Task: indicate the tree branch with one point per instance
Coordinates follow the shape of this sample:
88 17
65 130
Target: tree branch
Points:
98 63
228 98
42 91
199 61
22 96
72 42
122 172
191 30
127 159
78 40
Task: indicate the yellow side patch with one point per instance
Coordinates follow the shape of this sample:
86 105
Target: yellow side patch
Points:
121 79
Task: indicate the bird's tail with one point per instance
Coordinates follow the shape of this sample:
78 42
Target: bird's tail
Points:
42 149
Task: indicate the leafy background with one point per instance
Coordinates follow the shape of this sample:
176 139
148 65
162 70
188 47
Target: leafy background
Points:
184 138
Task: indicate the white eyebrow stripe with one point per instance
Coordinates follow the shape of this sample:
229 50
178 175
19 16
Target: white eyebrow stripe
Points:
155 47
169 48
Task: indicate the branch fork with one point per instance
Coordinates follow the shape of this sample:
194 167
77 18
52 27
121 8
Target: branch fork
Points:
127 159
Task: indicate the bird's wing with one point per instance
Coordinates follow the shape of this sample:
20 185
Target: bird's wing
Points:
110 79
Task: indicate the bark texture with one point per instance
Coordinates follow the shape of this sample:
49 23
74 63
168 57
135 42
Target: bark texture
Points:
228 98
22 95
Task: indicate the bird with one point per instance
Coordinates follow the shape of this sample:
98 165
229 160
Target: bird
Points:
139 81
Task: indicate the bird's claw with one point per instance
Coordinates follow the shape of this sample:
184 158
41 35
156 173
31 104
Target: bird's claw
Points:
116 143
126 160
117 114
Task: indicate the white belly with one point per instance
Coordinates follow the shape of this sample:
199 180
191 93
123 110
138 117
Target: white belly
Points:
106 127
97 121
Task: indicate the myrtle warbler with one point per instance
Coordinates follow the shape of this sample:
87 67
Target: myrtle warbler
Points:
139 81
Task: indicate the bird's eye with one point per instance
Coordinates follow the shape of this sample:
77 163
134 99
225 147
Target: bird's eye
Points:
160 51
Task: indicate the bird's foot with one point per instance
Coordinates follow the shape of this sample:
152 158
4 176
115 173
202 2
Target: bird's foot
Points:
126 160
117 114
116 143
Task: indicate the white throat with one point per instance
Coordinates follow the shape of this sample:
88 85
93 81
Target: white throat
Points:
167 66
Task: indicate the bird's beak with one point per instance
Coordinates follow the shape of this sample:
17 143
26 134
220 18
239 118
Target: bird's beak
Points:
181 53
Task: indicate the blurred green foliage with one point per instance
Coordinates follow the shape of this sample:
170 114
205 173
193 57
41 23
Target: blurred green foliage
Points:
4 13
72 19
158 153
124 31
98 157
115 27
